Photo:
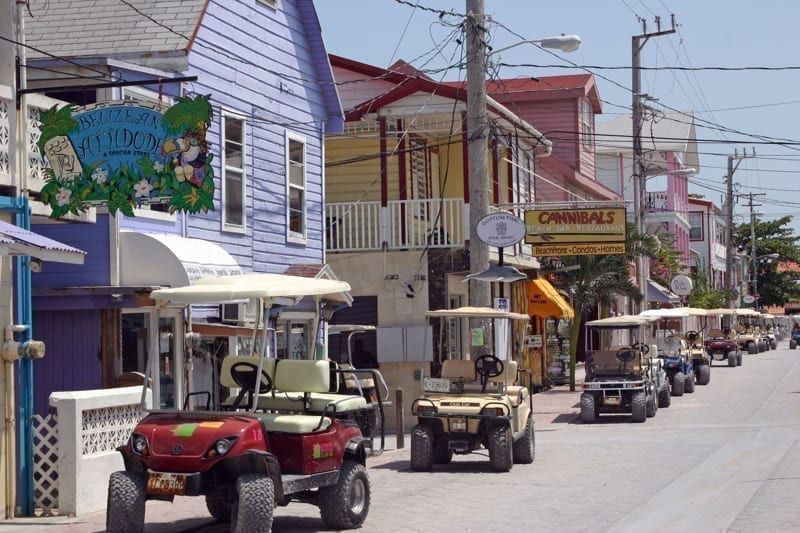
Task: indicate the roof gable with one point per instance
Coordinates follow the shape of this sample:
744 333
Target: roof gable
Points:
110 28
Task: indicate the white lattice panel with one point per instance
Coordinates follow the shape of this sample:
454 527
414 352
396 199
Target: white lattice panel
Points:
5 138
36 163
45 464
104 430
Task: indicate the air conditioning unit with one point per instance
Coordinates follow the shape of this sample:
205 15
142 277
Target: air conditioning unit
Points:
239 313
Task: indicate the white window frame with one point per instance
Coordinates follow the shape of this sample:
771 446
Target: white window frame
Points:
697 216
269 3
294 236
224 185
587 122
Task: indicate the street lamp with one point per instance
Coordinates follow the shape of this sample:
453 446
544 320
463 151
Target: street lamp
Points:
565 43
477 140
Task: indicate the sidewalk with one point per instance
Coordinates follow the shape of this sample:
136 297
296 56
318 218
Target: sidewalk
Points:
551 408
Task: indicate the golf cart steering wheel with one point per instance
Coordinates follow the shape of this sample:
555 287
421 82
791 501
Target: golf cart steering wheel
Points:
488 366
243 373
691 335
626 355
642 347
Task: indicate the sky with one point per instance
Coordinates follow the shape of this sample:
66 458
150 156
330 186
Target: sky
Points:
732 62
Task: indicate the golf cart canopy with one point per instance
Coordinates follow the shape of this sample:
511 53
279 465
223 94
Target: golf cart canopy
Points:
622 321
249 286
675 312
476 312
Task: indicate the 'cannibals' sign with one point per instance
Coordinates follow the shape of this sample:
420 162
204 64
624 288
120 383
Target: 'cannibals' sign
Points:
556 228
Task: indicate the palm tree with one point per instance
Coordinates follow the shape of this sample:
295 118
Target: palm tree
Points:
599 280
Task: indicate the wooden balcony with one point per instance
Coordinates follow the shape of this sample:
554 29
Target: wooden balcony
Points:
405 225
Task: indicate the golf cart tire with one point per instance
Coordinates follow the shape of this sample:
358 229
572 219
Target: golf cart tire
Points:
525 447
500 448
678 384
421 448
588 408
125 506
252 510
773 345
639 407
731 358
752 348
664 398
739 359
219 502
652 406
442 454
345 505
792 344
688 386
704 374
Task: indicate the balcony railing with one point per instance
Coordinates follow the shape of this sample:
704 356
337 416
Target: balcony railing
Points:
402 224
405 225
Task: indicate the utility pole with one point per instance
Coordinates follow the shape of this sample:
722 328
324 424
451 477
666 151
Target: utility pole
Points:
639 174
477 147
753 251
735 158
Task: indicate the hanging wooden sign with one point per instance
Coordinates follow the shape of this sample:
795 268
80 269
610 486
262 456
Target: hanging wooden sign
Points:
123 154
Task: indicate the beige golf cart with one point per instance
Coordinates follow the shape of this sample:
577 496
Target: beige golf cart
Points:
474 403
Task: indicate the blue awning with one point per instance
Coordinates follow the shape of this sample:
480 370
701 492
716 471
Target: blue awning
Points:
658 293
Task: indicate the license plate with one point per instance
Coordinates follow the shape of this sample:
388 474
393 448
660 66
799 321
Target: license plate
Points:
162 483
612 400
458 424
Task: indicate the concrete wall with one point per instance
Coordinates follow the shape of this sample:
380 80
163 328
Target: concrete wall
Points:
403 376
84 468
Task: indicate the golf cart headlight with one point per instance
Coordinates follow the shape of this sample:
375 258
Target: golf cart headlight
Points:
221 447
139 444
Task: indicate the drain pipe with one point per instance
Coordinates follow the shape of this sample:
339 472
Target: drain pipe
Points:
10 444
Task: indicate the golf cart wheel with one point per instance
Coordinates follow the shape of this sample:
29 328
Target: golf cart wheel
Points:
588 408
703 374
792 344
664 399
421 448
651 406
639 406
773 344
219 501
500 444
252 509
688 386
525 447
442 454
752 348
125 507
346 504
678 384
731 358
739 359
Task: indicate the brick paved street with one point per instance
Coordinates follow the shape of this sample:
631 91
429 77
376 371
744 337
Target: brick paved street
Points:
724 458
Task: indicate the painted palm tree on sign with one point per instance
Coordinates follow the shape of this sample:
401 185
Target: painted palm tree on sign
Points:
599 280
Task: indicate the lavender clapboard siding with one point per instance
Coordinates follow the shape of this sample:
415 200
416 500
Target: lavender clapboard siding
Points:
72 341
266 55
91 238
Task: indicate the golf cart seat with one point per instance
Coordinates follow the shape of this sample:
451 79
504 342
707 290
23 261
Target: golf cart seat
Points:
459 369
715 334
294 423
226 374
516 393
355 381
606 362
302 385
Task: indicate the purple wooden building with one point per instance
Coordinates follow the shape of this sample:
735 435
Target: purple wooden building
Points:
265 67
